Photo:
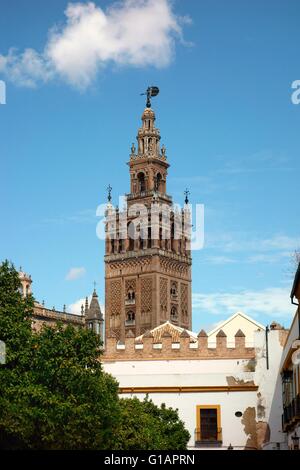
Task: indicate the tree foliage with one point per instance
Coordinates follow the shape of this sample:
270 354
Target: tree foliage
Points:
145 426
54 393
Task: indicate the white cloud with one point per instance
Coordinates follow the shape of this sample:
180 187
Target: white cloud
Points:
268 257
75 273
135 33
26 69
261 161
220 260
75 308
80 217
230 242
273 302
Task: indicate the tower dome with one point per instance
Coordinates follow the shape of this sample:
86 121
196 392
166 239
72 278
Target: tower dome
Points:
148 113
26 282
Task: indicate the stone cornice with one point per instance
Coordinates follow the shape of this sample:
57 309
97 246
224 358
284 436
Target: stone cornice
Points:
148 158
191 389
149 252
45 313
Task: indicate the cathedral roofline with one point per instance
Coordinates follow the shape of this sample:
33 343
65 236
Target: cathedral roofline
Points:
94 310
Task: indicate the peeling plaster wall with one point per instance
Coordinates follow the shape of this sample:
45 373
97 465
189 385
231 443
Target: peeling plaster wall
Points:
268 409
258 432
260 423
269 396
197 372
232 426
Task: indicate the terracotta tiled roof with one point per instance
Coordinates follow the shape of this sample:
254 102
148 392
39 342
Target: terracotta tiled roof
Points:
168 328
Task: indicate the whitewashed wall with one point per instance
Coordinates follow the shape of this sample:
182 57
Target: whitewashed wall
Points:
232 428
214 372
192 373
269 380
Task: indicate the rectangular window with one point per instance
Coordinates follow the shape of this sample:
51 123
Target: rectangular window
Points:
208 424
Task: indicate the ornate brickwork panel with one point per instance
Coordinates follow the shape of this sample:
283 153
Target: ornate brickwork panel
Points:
163 296
145 328
174 267
129 266
146 299
184 302
115 297
130 285
116 333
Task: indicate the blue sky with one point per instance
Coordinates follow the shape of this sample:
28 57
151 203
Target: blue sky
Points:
224 70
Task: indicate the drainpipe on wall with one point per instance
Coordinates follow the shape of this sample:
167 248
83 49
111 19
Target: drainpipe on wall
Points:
267 346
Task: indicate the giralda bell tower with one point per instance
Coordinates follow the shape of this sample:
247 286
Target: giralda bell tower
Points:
147 249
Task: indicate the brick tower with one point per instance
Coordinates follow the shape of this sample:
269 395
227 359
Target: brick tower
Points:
147 254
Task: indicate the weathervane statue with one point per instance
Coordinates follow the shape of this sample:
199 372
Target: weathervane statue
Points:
151 91
109 190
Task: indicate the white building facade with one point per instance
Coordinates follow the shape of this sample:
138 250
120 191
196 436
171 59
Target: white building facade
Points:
226 396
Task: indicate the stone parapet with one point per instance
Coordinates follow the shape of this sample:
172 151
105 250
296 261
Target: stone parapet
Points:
145 348
44 316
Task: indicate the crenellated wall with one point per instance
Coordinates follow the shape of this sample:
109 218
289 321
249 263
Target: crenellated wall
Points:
185 348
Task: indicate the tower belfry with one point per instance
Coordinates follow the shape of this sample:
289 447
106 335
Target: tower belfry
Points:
148 163
147 255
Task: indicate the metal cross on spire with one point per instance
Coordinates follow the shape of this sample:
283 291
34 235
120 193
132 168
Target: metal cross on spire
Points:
151 91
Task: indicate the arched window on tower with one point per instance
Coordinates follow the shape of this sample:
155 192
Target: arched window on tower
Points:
130 318
130 237
159 182
173 289
174 315
130 299
149 241
161 240
141 243
141 182
117 320
172 236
